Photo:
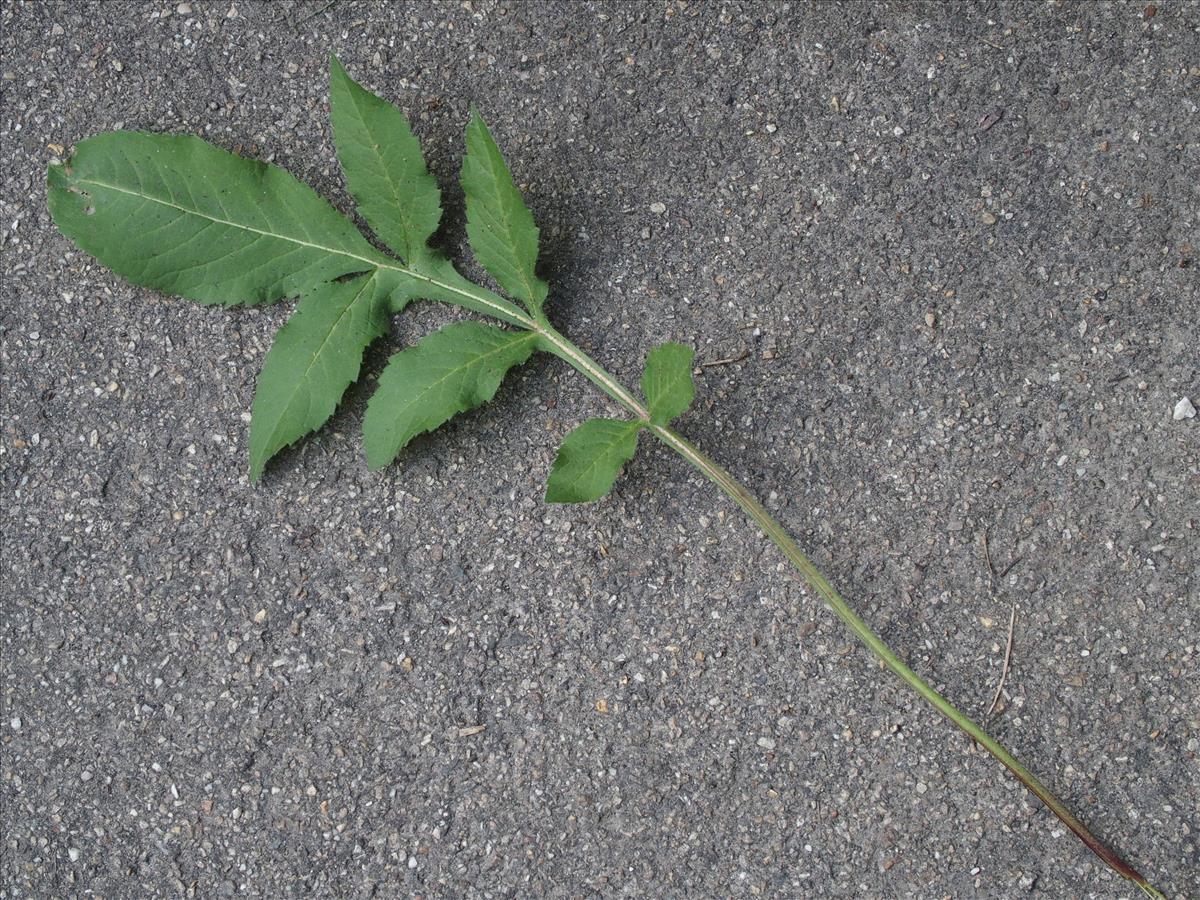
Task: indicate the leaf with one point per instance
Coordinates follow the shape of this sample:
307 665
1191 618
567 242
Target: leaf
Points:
315 357
589 460
499 225
667 382
177 214
384 169
447 372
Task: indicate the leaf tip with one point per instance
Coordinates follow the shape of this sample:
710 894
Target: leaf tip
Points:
556 493
477 126
376 463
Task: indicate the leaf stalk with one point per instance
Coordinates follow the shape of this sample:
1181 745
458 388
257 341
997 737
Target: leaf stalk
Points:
554 342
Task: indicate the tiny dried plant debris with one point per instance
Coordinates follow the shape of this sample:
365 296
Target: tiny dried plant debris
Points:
179 215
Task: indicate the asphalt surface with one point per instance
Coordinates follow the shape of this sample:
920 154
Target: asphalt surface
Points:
951 254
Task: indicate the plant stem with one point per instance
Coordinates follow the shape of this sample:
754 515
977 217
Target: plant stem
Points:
557 344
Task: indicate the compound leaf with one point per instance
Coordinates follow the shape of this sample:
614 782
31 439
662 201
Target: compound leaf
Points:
450 371
590 459
667 382
384 168
499 226
176 213
315 357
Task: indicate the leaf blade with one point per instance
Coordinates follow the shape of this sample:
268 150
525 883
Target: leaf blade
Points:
175 213
447 372
590 459
384 168
316 355
667 382
500 227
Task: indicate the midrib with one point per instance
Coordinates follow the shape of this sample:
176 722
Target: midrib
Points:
382 263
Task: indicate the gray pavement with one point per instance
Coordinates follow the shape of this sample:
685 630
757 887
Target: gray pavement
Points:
952 253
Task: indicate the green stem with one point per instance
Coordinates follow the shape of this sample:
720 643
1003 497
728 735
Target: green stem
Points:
555 343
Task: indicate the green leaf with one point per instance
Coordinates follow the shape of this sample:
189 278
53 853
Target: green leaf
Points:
384 169
667 382
499 226
589 460
315 357
447 372
177 214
